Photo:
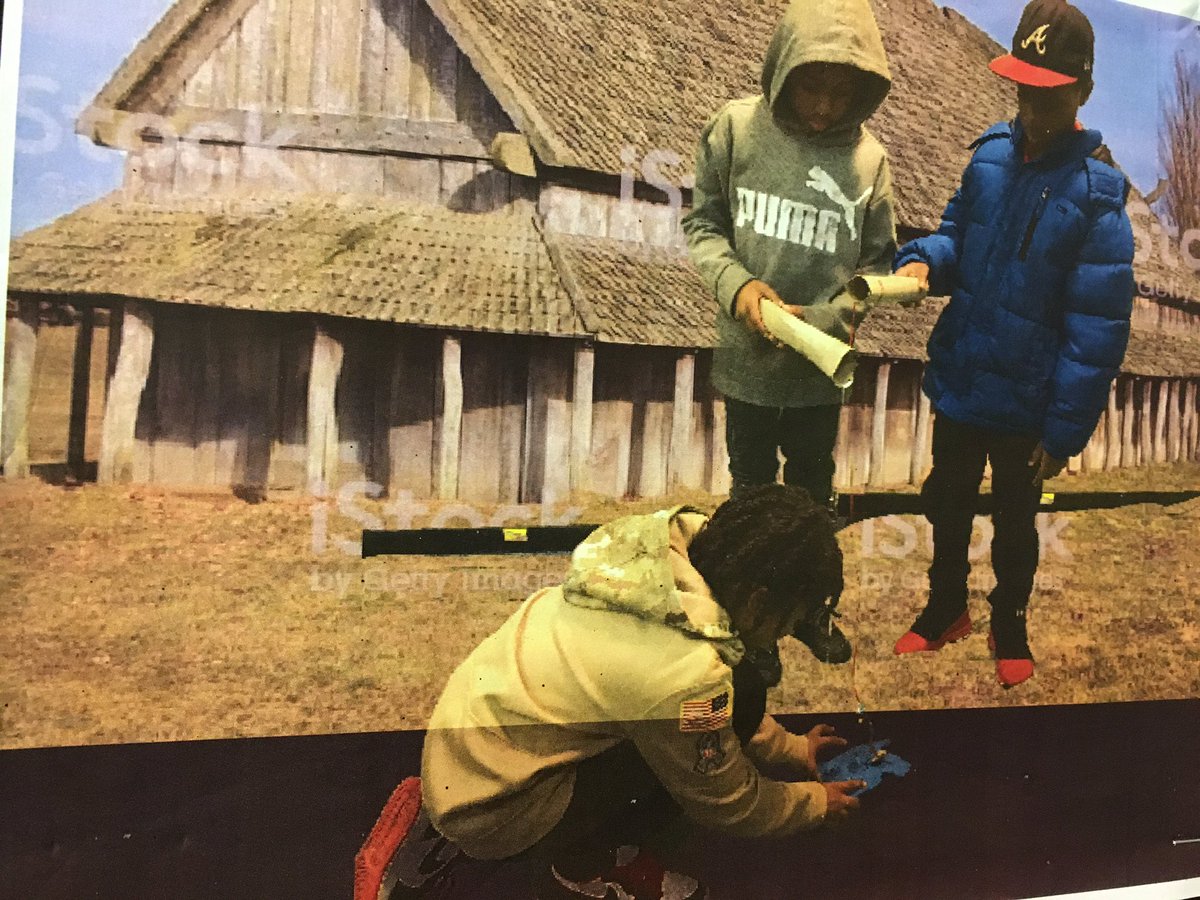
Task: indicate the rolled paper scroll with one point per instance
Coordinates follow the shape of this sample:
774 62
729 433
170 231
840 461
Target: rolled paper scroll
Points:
836 359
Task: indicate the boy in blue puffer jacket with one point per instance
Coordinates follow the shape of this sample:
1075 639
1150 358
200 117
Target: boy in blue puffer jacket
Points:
1035 251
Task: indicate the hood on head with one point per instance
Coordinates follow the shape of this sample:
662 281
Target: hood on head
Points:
638 566
828 31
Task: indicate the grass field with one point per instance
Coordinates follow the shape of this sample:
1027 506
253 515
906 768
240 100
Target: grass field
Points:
138 614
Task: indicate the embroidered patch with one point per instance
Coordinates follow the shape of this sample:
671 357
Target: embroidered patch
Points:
709 753
706 715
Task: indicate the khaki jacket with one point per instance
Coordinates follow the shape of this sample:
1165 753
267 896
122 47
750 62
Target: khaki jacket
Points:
631 647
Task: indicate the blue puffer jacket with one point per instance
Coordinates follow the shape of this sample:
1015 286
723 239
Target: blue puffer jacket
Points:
1037 259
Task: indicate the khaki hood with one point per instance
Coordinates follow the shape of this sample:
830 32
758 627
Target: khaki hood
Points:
638 566
828 31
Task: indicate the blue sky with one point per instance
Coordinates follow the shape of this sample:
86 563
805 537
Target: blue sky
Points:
70 47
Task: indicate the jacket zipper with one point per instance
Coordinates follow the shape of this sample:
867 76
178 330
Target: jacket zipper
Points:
1033 223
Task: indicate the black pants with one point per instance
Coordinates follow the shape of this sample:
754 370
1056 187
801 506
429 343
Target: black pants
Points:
806 435
950 496
618 800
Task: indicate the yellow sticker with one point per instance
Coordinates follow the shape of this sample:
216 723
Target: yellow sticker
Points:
1047 498
518 535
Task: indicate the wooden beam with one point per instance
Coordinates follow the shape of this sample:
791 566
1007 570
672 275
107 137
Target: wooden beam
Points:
81 369
1173 421
1128 455
879 424
681 418
582 396
1146 441
1112 450
921 438
1189 414
322 439
19 358
290 130
719 451
450 396
1160 422
125 393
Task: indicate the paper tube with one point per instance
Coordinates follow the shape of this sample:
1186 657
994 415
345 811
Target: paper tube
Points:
831 356
881 289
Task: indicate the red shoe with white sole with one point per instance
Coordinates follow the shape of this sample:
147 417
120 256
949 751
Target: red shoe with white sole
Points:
911 642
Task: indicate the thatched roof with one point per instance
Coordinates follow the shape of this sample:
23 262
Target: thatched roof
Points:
425 266
622 73
410 264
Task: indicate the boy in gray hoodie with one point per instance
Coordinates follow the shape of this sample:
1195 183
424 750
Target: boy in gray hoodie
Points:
793 197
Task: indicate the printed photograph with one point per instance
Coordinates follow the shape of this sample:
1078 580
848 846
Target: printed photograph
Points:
588 448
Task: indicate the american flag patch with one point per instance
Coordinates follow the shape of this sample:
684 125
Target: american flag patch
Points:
705 715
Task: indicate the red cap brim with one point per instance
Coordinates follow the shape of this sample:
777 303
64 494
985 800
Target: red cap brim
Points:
1023 73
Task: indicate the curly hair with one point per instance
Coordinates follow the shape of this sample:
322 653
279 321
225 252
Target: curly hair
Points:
773 536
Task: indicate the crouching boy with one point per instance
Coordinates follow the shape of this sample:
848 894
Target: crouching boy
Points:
606 708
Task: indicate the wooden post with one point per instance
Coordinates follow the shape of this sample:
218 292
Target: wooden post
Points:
1112 436
719 451
921 438
81 369
1188 420
1128 458
322 438
20 355
450 407
879 424
125 393
1195 413
1160 422
1146 441
1173 421
582 392
681 418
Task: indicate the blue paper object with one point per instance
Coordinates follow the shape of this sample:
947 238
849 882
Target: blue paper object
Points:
855 765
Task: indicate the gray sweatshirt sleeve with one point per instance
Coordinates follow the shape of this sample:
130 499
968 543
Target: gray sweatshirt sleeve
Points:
709 225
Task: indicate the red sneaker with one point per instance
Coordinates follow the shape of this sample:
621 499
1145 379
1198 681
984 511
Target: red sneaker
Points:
911 642
403 856
1010 672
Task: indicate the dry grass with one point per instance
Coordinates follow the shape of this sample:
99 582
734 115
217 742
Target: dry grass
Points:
140 614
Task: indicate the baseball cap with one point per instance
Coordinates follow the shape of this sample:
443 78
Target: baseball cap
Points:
1054 45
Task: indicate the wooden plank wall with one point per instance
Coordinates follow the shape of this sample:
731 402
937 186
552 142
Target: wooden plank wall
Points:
386 59
226 399
495 371
383 58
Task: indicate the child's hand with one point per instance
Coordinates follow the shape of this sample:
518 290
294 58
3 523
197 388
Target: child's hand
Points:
748 307
838 801
1044 465
819 738
917 270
